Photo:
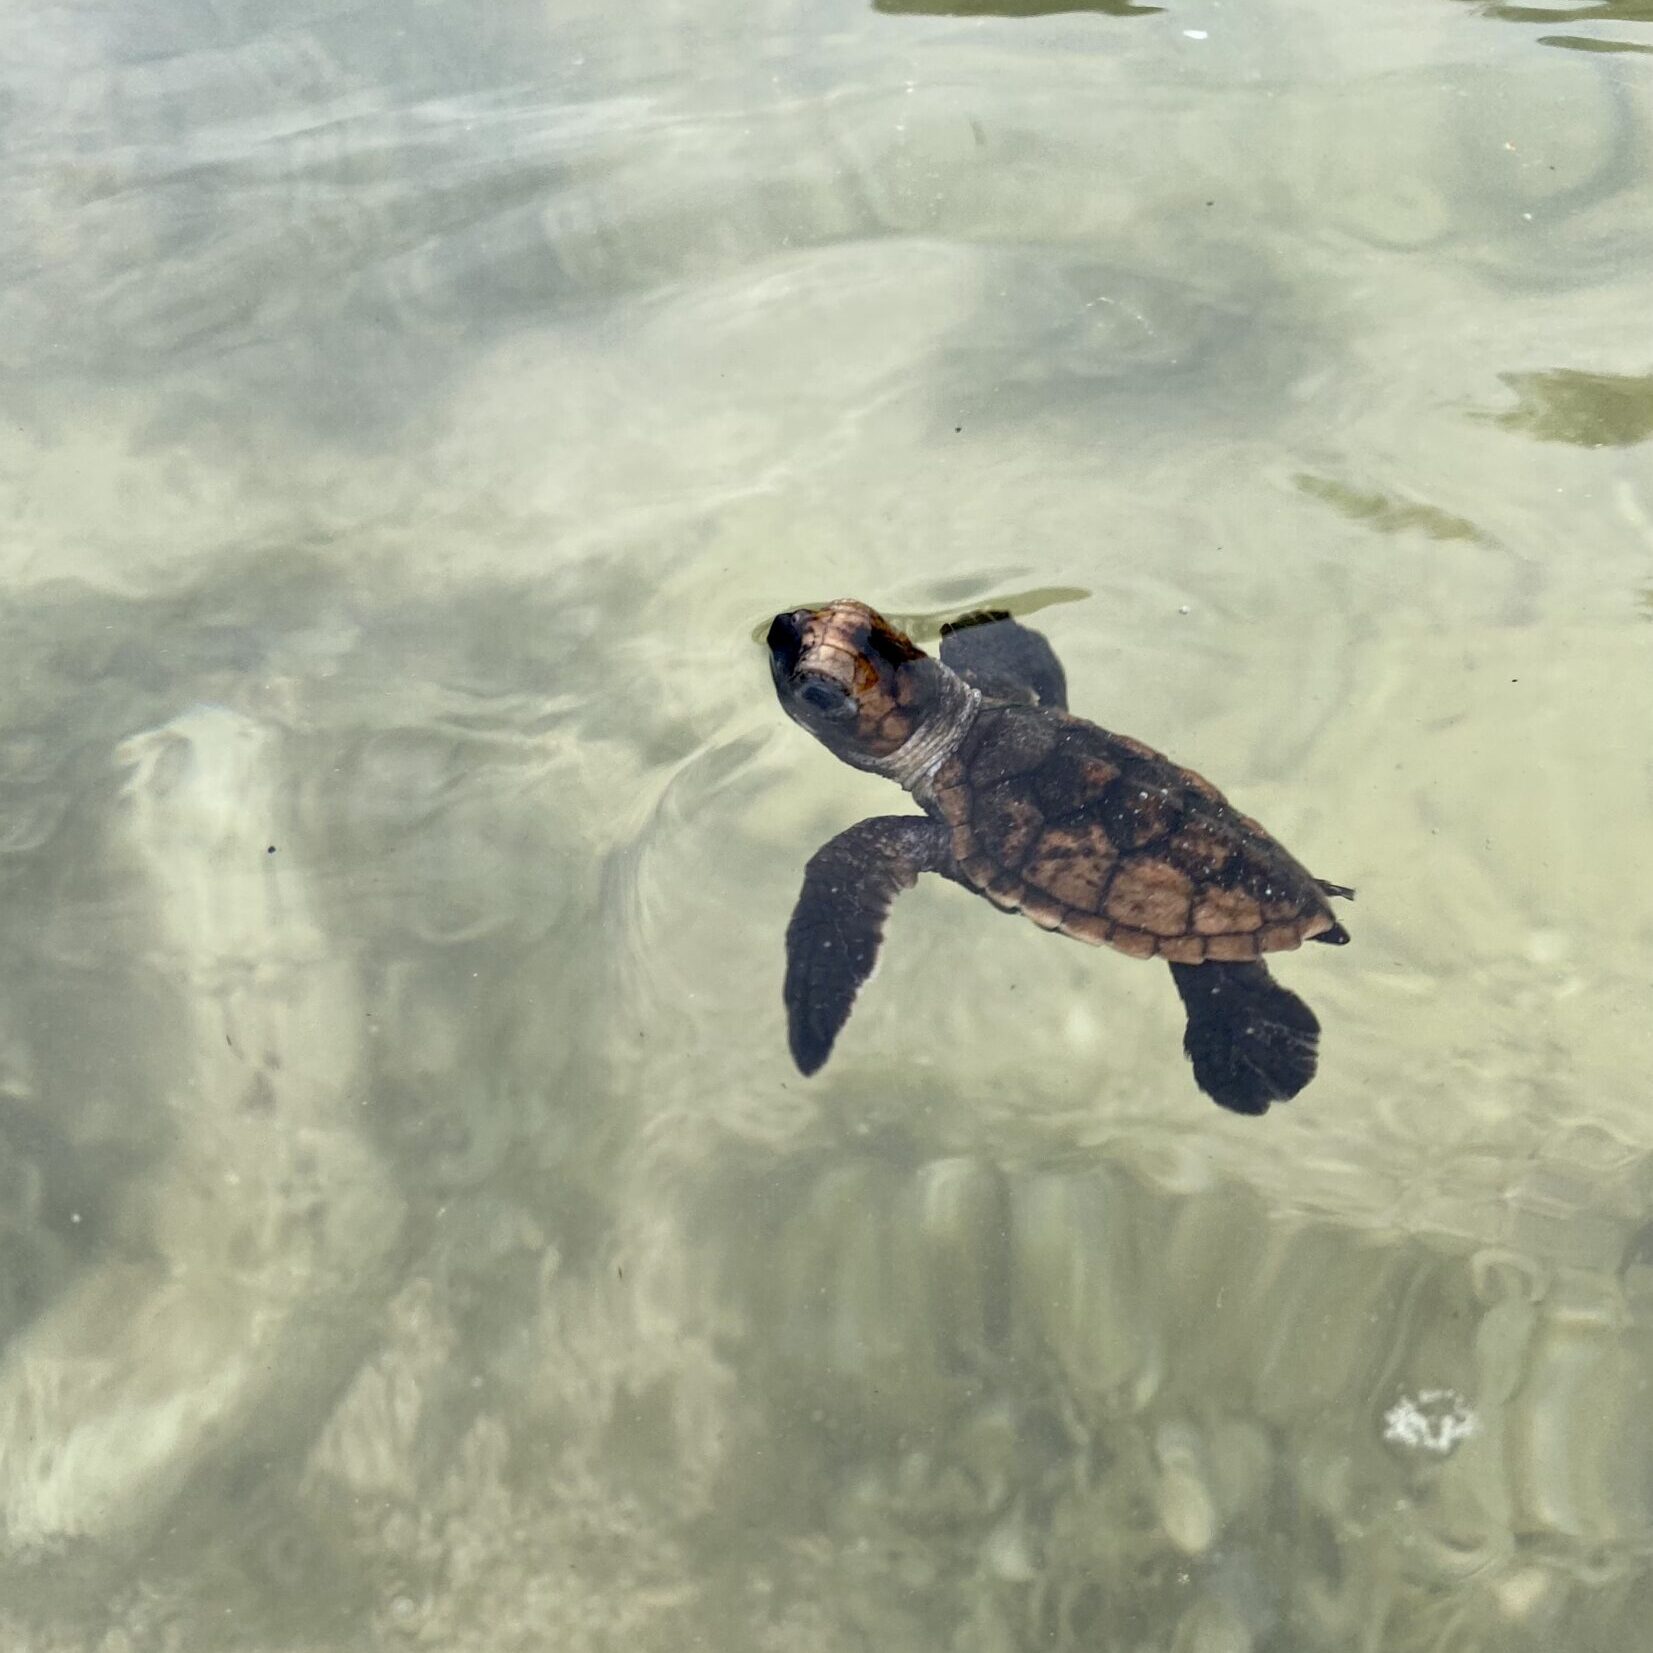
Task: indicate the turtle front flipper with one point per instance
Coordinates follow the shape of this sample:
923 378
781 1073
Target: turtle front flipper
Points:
1252 1042
832 942
1003 658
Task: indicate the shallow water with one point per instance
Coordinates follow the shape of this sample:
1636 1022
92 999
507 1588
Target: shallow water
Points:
414 1233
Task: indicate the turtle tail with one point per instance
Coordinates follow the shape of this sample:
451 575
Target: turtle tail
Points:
1252 1042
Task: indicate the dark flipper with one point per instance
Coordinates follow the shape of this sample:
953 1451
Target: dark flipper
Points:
1003 658
1336 936
1251 1041
833 939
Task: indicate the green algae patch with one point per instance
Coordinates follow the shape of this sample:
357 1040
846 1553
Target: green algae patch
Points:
1386 513
1590 410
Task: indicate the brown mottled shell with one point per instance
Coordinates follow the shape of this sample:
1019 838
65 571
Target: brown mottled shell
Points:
1108 841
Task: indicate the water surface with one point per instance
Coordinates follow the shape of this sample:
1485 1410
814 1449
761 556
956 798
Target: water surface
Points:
414 1233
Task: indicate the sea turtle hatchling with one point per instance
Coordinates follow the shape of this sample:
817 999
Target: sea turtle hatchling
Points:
1083 831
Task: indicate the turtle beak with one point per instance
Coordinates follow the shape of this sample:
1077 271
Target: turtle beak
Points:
786 640
810 681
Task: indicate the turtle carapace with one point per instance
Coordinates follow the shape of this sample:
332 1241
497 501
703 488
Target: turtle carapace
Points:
1082 831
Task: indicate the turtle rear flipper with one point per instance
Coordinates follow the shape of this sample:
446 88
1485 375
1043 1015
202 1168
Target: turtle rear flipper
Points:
1001 657
838 924
1336 936
1252 1042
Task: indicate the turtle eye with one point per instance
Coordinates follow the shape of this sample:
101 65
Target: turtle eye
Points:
826 698
785 640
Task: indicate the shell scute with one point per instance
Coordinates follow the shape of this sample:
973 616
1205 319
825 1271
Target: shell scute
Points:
1279 938
1089 927
1137 943
1005 892
1201 851
1138 812
1007 822
1182 949
952 804
1226 912
1198 783
1072 863
1234 948
1096 772
1060 785
1045 910
1151 895
1082 765
1008 741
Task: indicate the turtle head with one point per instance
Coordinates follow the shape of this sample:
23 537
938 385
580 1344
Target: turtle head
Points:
858 685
